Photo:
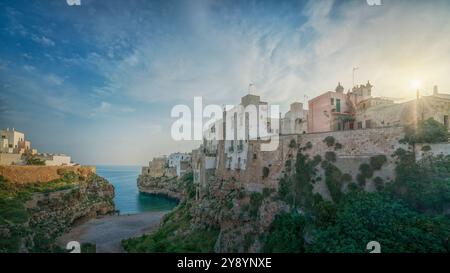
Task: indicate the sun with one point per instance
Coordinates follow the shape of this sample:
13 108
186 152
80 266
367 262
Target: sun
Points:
416 84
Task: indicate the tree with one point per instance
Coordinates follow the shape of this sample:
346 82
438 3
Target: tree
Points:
285 234
427 131
363 217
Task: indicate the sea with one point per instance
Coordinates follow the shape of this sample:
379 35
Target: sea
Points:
128 199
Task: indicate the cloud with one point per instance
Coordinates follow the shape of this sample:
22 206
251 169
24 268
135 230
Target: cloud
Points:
42 40
139 59
29 68
73 2
104 107
54 80
127 110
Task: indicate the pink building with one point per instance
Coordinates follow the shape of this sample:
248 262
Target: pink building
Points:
334 110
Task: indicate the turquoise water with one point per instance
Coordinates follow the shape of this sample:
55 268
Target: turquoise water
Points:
128 200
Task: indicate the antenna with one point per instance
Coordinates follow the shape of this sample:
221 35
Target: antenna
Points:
251 87
353 75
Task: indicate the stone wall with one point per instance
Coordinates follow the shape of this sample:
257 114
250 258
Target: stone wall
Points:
435 149
358 146
32 174
8 159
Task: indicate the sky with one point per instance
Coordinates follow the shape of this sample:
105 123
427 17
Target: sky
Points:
97 79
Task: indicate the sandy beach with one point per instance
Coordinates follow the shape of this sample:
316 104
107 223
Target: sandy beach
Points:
107 232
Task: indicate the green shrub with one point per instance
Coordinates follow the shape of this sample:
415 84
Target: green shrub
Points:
426 148
427 131
32 160
333 179
292 144
376 162
256 199
346 177
285 234
425 184
366 170
265 172
361 179
308 145
267 192
329 140
330 156
363 216
379 183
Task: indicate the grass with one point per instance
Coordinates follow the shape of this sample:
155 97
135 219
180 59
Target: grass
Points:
14 216
175 236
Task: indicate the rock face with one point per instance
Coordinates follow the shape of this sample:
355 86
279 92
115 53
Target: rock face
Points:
168 186
51 213
241 221
61 209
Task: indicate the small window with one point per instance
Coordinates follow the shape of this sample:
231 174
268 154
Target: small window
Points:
332 101
368 123
360 125
446 121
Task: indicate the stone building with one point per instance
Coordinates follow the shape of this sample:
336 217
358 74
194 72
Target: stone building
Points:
295 121
55 159
12 141
180 161
176 164
376 113
333 110
380 122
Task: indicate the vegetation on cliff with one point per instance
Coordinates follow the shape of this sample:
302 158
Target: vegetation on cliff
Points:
427 131
406 215
31 217
177 233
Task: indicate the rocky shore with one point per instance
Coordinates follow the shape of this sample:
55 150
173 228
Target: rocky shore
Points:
167 186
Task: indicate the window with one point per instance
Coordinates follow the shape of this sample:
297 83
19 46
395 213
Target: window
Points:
332 101
338 105
368 123
446 121
359 124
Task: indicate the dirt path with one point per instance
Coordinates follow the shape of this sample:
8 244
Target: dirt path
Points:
107 232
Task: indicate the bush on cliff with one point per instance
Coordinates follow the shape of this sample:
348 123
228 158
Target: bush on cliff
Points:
363 217
425 184
175 235
427 131
32 160
285 234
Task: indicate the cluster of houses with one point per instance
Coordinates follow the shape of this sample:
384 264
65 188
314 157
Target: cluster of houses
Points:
16 150
176 164
334 110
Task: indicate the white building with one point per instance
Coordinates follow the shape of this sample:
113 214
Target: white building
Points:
10 140
180 161
55 159
295 121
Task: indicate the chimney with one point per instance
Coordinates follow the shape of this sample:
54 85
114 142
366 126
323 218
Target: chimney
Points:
435 90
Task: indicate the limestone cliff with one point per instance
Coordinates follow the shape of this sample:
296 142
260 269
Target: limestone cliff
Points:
33 215
224 218
169 186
